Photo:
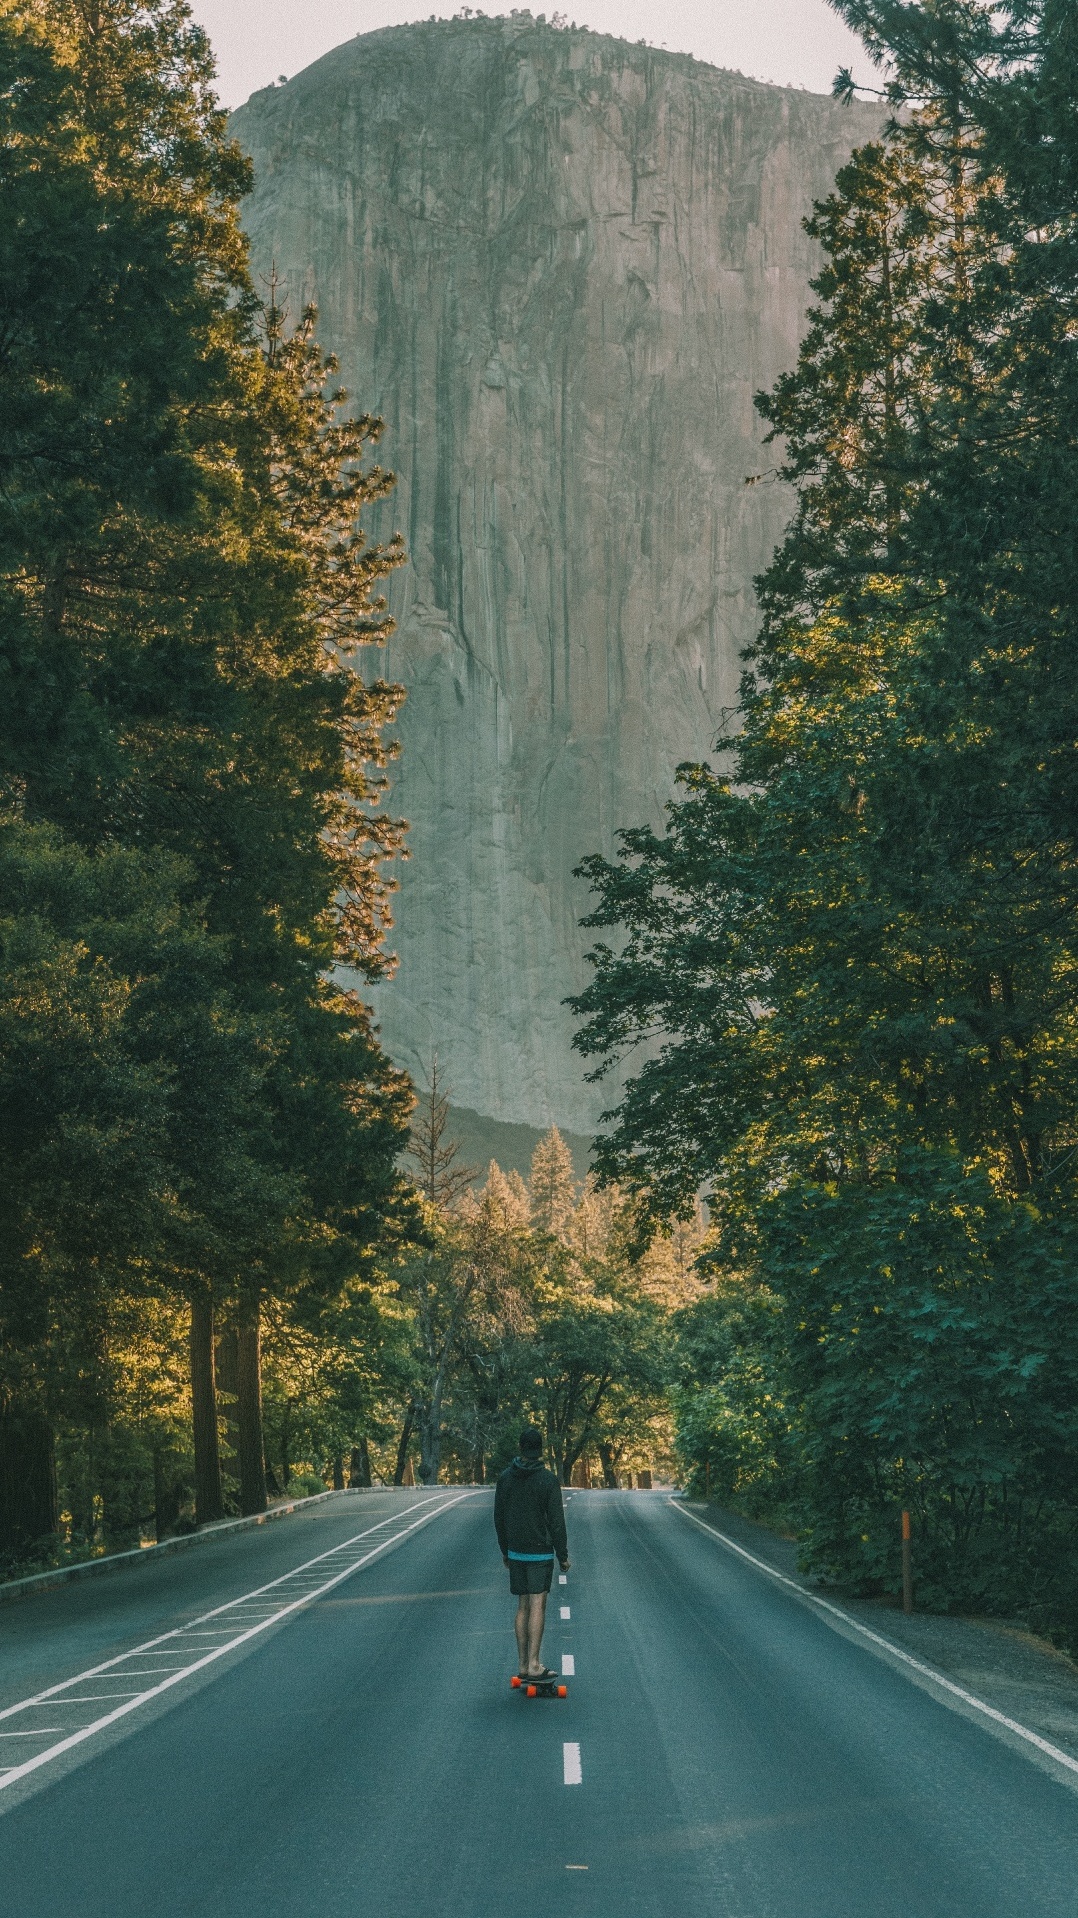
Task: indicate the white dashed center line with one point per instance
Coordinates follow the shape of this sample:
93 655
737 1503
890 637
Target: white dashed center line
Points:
571 1764
568 1665
565 1611
563 1580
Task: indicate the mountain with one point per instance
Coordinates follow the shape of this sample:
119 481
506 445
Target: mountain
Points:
559 266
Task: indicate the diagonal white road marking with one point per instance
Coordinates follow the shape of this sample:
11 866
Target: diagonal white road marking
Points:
10 1775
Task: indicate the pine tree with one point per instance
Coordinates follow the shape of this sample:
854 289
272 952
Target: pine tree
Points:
183 586
859 950
552 1185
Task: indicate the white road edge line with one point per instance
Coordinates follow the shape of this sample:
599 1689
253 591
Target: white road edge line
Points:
182 1631
570 1762
886 1644
11 1776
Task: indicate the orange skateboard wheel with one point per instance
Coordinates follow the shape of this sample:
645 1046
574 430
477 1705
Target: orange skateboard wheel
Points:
563 1691
515 1682
533 1691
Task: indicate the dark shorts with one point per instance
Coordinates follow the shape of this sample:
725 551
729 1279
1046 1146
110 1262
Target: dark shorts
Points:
530 1575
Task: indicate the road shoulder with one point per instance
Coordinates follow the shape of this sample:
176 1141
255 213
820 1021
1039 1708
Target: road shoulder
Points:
1016 1673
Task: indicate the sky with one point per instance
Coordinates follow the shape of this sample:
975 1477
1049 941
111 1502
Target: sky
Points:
794 42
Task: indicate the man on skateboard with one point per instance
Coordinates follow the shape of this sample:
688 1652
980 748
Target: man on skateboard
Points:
530 1524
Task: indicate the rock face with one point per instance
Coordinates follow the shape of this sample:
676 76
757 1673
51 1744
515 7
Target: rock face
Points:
559 267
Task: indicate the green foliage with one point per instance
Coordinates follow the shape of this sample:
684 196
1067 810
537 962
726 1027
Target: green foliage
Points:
733 1419
932 1349
552 1185
191 763
529 1304
854 960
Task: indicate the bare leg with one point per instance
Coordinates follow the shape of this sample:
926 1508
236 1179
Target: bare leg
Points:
520 1625
536 1621
528 1624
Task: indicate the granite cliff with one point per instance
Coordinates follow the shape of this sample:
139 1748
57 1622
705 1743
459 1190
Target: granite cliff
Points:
559 266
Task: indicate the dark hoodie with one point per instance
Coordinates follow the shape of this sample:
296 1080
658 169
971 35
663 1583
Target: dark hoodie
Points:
528 1514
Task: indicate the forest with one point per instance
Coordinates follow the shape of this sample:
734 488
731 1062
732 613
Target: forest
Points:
229 1270
852 950
824 1268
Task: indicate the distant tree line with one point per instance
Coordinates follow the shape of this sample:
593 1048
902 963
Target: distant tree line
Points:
853 951
531 1300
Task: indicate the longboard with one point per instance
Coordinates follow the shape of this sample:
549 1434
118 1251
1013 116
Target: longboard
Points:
539 1687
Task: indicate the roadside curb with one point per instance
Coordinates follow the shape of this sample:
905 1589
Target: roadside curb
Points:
16 1588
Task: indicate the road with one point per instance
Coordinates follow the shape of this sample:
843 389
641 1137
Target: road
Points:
364 1755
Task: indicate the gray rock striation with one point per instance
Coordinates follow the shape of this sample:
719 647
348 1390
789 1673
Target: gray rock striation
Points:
559 266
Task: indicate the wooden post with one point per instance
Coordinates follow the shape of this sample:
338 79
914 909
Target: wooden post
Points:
907 1565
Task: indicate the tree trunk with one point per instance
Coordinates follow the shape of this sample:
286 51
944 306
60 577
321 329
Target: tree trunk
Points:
225 1367
430 1427
28 1509
486 1421
606 1459
208 1501
405 1443
338 1471
83 1510
359 1466
402 1449
250 1440
430 1443
166 1495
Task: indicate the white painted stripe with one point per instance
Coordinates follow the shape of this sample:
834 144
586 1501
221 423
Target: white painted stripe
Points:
565 1611
563 1580
14 1773
233 1606
91 1698
568 1665
570 1759
41 1732
886 1644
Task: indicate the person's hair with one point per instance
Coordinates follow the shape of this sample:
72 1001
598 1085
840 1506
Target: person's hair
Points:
531 1439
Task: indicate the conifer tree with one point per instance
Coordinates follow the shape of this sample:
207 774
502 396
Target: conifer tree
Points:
183 586
552 1185
859 949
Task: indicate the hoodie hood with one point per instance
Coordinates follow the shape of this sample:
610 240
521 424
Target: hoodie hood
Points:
524 1465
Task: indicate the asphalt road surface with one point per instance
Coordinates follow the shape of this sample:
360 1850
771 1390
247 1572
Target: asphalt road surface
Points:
314 1739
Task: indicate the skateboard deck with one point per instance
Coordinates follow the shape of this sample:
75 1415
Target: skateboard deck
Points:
539 1687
